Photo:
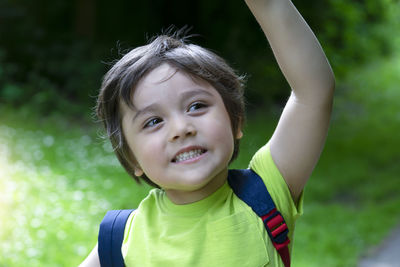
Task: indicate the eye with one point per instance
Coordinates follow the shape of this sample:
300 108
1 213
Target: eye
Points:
152 122
196 106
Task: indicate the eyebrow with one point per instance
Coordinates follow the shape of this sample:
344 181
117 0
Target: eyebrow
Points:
195 92
188 94
150 108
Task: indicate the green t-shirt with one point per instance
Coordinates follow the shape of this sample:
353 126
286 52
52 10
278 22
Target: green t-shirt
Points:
220 230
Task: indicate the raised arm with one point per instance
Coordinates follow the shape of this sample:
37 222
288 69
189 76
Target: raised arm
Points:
298 140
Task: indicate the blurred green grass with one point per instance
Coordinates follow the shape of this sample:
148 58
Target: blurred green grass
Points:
57 179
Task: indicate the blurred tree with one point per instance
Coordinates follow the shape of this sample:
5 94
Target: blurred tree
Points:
51 51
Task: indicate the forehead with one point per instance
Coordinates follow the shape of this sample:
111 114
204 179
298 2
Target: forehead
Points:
158 75
162 77
167 80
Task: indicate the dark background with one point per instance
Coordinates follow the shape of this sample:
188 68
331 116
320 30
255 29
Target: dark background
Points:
54 53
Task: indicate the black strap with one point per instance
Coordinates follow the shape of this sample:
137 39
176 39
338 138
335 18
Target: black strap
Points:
111 234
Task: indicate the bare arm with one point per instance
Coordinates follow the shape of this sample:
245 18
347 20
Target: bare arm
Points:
301 132
92 260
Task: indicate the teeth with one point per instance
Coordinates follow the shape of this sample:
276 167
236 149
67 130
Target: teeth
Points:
188 155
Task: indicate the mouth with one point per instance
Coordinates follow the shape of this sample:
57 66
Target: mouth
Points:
188 154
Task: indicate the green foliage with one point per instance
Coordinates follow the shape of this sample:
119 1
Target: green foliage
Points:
60 79
353 33
51 57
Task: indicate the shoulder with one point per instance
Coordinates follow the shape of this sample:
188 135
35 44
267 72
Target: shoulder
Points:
92 259
153 198
263 164
148 204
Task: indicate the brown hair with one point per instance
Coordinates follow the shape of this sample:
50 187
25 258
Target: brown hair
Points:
119 83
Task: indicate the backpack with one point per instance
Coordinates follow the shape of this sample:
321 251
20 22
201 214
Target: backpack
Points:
246 184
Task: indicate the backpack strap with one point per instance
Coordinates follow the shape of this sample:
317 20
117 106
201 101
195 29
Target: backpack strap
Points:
111 235
250 188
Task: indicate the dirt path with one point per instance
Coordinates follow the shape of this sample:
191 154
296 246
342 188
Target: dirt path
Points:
385 255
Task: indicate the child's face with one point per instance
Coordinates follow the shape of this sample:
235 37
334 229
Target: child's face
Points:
179 133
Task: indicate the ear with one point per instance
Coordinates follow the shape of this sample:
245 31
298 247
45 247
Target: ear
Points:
136 167
239 134
138 171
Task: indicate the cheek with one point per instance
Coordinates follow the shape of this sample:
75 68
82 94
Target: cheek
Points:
148 152
221 132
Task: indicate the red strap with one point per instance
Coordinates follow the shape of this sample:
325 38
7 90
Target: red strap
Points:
275 225
285 256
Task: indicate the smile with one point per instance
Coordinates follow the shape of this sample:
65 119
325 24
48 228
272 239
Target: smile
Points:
187 155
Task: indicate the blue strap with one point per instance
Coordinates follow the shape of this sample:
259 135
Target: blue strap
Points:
250 188
111 235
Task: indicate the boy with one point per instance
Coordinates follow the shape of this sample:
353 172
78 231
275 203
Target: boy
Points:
174 113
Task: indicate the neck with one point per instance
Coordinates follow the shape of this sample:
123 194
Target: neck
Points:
181 197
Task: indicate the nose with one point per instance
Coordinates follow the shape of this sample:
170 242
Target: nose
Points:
181 128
